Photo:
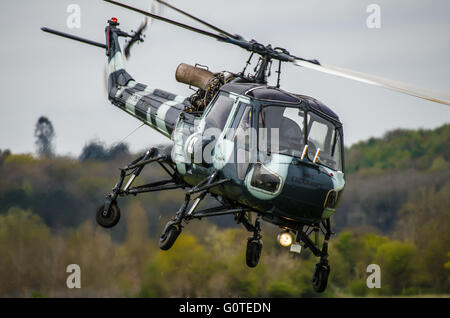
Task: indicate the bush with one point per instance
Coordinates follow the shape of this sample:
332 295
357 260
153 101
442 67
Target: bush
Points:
280 289
396 260
359 288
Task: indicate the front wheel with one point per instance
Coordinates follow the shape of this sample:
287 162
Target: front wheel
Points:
253 253
109 219
320 277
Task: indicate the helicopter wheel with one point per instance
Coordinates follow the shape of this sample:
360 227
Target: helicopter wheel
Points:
168 237
253 253
111 218
320 277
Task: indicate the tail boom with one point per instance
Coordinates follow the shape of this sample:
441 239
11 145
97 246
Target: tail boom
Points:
156 108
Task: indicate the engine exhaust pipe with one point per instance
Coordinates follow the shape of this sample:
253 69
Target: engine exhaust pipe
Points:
194 76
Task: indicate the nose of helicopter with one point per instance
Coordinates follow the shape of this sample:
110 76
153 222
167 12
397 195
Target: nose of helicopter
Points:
296 189
310 192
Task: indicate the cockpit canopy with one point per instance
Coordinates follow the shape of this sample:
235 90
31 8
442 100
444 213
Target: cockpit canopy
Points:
286 130
283 125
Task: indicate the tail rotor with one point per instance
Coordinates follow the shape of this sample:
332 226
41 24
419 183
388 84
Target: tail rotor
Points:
138 35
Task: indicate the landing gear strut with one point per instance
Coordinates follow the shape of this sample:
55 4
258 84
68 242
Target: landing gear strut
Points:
254 243
185 213
321 269
108 214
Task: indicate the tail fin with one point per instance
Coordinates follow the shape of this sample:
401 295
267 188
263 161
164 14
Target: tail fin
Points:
156 108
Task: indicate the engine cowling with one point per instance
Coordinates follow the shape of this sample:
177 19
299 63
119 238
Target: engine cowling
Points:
194 76
208 83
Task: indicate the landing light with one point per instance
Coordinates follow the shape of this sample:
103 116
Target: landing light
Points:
285 239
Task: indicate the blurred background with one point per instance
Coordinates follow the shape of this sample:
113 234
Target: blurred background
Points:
61 143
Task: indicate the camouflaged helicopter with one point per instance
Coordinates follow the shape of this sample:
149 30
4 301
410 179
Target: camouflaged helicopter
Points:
257 149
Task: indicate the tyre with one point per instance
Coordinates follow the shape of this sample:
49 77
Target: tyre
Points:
111 218
253 252
320 277
169 237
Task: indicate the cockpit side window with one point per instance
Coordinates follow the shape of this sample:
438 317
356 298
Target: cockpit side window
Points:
241 133
336 150
323 135
241 121
218 113
281 130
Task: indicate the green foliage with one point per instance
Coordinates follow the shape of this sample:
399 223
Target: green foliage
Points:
447 267
281 289
202 263
424 221
401 149
397 218
24 252
3 155
359 288
396 260
19 159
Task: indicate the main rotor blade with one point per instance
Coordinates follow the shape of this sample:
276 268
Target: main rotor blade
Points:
197 19
179 24
428 94
74 37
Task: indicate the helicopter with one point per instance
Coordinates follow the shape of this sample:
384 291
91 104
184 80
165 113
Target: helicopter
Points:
261 152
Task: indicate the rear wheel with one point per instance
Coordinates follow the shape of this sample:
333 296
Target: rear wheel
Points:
109 219
253 253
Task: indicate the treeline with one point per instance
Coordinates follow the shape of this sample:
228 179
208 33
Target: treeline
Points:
210 262
395 213
64 191
401 149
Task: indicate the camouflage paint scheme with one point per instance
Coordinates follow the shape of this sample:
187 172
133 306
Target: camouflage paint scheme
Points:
304 187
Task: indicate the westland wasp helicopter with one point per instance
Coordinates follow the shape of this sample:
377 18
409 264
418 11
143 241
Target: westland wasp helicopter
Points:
253 147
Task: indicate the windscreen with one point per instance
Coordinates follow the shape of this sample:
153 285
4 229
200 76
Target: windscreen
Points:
282 130
218 113
323 135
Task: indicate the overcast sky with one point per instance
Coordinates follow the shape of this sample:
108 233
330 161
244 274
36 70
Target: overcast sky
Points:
64 80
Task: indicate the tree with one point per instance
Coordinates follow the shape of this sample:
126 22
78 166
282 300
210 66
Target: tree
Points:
44 134
25 253
97 151
118 150
4 154
396 260
93 151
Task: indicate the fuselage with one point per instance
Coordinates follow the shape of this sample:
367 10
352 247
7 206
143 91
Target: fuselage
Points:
265 141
